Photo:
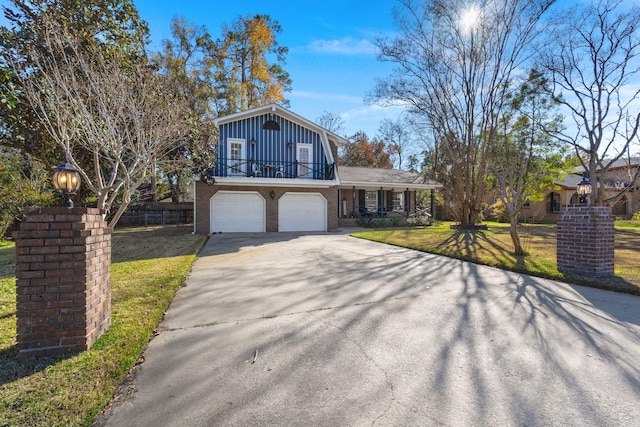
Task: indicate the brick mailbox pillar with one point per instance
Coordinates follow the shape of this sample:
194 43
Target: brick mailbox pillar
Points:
585 241
63 263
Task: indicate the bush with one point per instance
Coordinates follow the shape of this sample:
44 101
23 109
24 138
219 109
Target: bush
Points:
380 222
364 221
24 182
499 212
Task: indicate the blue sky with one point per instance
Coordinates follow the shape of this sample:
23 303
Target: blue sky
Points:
331 60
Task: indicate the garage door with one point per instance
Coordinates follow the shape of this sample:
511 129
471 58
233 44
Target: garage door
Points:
302 212
237 211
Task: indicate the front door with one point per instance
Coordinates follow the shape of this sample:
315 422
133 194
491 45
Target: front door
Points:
304 161
237 157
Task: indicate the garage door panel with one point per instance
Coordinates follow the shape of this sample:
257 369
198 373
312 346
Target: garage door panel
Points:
302 212
237 212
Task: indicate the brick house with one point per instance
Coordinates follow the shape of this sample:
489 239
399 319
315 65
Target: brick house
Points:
618 177
276 171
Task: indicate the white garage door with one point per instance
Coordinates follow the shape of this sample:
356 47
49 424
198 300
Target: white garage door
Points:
302 212
237 211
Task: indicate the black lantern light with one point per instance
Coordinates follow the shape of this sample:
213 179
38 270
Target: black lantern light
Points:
67 180
584 189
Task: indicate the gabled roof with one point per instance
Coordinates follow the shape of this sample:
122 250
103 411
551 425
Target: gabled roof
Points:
374 177
623 163
282 112
570 181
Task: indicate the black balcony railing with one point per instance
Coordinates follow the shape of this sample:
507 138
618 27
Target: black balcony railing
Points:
273 169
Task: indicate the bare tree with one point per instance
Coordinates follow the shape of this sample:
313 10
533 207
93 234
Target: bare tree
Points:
398 136
592 56
114 124
454 64
528 159
331 122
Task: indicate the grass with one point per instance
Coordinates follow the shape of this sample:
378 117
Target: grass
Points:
148 266
494 247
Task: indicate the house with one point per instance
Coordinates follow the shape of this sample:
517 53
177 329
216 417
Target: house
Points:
276 171
618 177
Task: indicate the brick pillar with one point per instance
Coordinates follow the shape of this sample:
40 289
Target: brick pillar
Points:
585 241
63 263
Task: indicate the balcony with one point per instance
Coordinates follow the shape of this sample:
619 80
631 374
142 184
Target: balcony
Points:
273 169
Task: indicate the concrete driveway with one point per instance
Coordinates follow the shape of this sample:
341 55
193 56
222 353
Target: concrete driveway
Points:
330 330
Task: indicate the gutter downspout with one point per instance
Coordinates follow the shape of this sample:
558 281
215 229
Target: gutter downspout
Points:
194 206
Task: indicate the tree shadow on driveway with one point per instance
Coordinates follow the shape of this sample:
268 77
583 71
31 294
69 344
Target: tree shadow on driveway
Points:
331 330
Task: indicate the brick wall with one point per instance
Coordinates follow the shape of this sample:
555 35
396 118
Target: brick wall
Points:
63 263
585 245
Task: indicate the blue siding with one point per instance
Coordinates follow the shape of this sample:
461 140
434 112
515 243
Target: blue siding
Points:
271 147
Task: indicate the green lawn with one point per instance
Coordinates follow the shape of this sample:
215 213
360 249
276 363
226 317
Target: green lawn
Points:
493 247
148 266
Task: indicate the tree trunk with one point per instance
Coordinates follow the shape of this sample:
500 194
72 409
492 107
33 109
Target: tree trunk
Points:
174 187
515 237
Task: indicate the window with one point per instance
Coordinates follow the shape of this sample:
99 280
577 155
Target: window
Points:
371 201
398 201
554 203
575 199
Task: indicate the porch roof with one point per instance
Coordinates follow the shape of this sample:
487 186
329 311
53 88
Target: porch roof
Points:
375 177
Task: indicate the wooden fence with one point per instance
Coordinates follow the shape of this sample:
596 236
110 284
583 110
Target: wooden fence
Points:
157 214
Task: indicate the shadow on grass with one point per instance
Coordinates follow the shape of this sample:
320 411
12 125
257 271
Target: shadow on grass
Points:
135 244
7 262
468 244
13 369
612 283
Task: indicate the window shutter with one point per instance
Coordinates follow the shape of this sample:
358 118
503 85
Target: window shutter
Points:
389 200
362 204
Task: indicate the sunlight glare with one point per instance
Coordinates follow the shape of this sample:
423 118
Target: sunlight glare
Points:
469 17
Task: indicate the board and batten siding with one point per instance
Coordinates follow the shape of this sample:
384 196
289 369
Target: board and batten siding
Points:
271 146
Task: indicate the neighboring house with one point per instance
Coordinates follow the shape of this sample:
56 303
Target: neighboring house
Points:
618 177
276 171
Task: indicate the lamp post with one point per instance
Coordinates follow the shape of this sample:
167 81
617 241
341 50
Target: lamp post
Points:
584 189
66 179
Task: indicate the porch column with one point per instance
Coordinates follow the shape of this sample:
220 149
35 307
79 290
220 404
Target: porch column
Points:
432 207
353 198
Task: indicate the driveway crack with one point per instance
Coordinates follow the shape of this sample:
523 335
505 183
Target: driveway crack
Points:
293 313
370 359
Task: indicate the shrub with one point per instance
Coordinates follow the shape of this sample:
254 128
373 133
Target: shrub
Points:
499 212
364 221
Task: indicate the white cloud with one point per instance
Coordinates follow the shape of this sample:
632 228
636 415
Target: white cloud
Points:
368 118
344 46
